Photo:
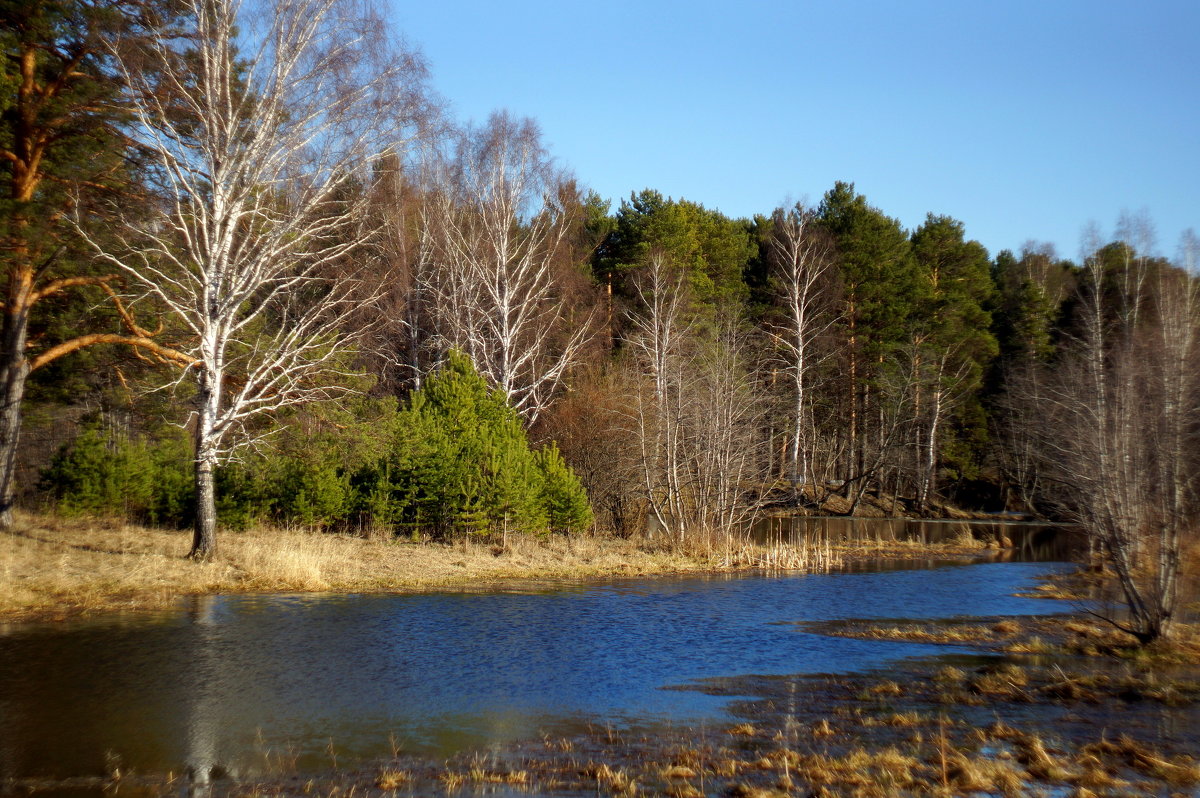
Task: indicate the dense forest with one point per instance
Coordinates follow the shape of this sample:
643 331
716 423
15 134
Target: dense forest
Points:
255 273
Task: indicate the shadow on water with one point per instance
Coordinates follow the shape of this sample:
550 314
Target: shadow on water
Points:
227 683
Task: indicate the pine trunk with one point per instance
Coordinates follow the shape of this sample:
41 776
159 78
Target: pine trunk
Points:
23 180
15 370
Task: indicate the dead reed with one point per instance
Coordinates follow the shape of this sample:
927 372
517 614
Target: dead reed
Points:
54 567
51 566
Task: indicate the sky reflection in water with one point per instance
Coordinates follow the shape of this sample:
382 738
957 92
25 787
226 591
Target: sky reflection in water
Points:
224 678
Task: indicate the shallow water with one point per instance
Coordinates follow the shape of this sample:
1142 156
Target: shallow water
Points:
227 681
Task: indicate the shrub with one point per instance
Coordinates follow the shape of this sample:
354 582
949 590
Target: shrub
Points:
145 481
461 460
563 495
455 460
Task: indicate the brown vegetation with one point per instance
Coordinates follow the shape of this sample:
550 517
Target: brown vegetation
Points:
54 567
945 758
1047 634
57 567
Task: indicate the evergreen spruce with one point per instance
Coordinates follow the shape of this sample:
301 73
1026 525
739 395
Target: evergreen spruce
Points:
463 463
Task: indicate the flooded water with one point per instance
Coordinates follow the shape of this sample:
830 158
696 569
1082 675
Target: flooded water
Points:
221 682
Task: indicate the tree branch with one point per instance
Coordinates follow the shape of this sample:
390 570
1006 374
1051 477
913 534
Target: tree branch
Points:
55 286
164 353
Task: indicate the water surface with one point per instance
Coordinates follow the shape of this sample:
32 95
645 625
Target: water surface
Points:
222 680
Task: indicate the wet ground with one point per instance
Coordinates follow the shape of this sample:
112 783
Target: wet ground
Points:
1017 705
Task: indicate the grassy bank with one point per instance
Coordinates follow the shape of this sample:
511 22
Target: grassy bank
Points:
55 567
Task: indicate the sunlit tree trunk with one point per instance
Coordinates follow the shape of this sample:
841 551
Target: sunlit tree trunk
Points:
278 120
801 269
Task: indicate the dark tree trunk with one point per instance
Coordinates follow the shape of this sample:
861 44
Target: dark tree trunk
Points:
204 533
14 370
14 367
204 537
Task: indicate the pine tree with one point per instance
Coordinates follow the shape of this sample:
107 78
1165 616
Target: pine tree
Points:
462 463
563 496
60 152
953 340
712 249
881 290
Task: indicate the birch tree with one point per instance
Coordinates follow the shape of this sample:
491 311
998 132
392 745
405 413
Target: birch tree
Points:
658 339
264 121
499 230
1122 436
697 407
724 420
802 273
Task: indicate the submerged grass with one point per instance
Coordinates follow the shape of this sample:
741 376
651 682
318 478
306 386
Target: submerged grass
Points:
922 732
947 758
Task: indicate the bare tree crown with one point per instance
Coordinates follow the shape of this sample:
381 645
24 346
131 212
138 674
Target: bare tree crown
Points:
266 122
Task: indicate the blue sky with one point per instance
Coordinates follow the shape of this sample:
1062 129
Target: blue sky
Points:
1025 120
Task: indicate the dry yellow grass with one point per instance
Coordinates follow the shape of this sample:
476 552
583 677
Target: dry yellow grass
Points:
52 567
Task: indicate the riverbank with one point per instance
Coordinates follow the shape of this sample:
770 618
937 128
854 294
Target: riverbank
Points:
53 567
1017 705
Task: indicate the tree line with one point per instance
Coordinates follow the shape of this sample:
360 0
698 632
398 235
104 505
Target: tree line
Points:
246 247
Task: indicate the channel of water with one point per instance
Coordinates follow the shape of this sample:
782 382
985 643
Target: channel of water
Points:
221 681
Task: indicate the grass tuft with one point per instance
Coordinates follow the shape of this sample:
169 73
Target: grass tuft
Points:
392 779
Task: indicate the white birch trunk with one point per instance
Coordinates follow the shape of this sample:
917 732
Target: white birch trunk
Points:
262 138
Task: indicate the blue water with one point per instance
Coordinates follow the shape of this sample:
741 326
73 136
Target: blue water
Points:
227 679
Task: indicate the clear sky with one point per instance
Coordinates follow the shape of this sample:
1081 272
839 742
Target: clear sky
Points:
1025 119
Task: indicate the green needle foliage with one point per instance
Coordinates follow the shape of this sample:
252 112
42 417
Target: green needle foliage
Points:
454 461
101 473
463 463
712 249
